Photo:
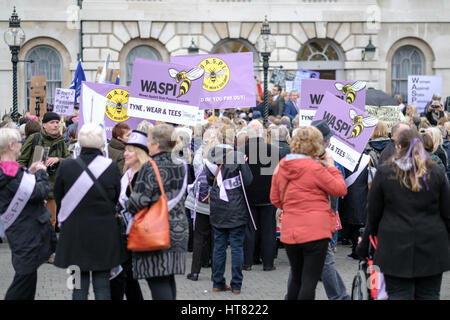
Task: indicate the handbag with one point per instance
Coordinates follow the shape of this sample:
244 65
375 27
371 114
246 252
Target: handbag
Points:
150 230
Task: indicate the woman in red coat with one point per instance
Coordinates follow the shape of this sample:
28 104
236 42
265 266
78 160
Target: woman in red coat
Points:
301 186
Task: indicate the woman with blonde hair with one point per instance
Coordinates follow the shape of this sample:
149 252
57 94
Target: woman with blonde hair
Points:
438 144
301 185
135 155
409 213
411 111
378 142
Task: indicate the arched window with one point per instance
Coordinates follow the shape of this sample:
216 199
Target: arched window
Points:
324 56
236 45
143 51
408 60
47 62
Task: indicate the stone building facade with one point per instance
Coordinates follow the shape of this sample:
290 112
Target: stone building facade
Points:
411 37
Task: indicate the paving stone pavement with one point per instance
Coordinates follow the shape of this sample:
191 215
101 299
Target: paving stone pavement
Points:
257 284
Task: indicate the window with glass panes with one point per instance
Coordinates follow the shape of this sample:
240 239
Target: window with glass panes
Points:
47 62
144 52
407 61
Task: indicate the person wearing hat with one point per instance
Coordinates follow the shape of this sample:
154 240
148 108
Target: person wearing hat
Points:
49 136
135 155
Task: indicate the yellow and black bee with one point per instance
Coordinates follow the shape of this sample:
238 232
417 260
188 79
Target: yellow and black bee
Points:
213 75
116 106
185 78
361 123
350 90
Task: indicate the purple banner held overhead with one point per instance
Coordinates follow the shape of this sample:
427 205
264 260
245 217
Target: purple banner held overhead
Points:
229 79
105 104
165 91
352 129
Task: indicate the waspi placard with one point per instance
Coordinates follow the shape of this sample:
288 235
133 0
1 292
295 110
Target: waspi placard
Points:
352 129
165 91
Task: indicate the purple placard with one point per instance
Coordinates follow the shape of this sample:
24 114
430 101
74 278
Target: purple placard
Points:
105 104
313 91
229 79
166 82
64 101
352 129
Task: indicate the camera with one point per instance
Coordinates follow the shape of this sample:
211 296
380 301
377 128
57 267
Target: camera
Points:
435 106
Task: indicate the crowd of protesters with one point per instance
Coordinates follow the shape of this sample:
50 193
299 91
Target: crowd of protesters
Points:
240 176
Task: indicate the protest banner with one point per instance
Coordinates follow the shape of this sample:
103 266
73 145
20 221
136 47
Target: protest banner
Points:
303 74
64 101
313 91
106 105
421 90
352 129
280 77
388 114
38 96
228 82
164 91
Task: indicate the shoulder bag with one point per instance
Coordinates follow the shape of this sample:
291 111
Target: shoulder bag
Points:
150 230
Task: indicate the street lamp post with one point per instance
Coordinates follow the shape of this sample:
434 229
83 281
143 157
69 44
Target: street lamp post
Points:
14 38
265 45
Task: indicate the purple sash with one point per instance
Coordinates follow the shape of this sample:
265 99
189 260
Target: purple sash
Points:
20 199
81 187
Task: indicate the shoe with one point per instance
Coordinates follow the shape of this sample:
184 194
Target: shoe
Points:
192 276
257 261
334 249
353 256
270 269
236 291
208 265
226 288
249 268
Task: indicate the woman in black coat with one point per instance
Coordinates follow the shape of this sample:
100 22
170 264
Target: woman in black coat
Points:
90 237
409 212
31 236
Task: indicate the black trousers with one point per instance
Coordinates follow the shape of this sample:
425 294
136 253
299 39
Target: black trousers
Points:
23 287
307 261
262 242
191 229
426 288
203 242
163 288
124 284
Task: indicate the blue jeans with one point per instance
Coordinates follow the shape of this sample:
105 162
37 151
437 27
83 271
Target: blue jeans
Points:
334 239
332 281
221 237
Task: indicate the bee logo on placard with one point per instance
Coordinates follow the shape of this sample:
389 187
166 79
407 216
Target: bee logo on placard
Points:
217 74
116 105
185 78
361 123
350 90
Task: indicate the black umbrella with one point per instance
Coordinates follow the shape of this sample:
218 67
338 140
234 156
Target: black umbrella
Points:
379 98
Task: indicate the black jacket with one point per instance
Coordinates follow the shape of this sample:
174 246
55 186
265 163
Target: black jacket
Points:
90 238
353 208
233 213
412 227
431 119
387 152
263 158
278 106
31 237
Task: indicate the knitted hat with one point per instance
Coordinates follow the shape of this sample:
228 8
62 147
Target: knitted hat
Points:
50 116
138 139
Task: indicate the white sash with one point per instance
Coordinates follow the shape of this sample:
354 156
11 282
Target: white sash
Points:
20 199
213 168
81 186
173 202
362 165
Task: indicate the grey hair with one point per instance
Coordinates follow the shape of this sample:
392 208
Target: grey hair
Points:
255 129
92 135
7 136
280 133
397 125
144 126
163 134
